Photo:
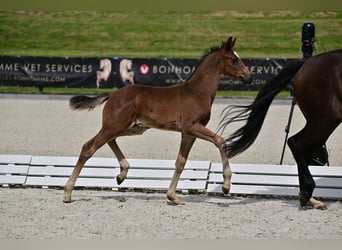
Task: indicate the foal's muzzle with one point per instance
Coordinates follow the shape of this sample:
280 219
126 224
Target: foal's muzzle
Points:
246 79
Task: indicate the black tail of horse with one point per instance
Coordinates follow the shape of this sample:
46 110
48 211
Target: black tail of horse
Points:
255 113
86 102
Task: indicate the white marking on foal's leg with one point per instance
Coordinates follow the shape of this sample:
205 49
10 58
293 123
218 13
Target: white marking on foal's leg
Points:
124 166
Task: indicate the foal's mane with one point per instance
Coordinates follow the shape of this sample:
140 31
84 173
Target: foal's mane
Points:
205 54
208 52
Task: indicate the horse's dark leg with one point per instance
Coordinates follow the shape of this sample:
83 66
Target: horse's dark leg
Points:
303 146
88 149
124 165
185 147
306 182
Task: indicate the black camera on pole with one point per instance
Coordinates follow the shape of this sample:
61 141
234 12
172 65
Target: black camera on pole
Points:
308 39
321 157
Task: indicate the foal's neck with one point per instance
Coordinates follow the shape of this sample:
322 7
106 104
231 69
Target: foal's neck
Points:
207 75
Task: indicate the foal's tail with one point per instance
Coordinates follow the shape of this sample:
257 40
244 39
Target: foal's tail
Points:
86 102
255 113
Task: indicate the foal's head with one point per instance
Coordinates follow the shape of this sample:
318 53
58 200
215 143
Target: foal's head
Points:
232 63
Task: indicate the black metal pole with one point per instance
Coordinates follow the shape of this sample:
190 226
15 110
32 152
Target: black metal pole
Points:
287 128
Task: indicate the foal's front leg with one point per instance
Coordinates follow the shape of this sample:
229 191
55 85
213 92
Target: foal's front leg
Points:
202 132
186 144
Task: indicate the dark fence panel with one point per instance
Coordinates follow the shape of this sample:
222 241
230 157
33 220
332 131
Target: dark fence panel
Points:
67 72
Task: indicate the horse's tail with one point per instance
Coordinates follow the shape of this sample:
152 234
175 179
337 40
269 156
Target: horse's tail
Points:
255 113
86 102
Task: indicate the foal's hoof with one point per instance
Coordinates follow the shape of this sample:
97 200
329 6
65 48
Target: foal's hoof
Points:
67 199
225 190
119 180
175 202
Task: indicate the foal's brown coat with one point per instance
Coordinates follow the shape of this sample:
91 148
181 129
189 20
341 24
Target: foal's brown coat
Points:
185 108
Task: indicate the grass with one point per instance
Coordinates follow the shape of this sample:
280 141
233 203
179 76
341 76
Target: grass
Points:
155 34
162 34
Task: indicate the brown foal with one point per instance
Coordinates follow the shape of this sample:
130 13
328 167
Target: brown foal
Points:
184 108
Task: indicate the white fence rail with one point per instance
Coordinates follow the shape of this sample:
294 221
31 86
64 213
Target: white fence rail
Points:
202 176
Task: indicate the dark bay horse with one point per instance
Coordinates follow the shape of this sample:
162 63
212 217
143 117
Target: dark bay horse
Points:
317 84
184 108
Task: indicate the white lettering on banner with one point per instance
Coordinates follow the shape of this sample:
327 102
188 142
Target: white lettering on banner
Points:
259 82
264 70
163 69
9 66
173 81
39 78
238 82
5 77
68 68
32 67
54 68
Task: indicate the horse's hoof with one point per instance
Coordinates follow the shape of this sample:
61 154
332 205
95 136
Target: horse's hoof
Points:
303 200
311 203
318 204
118 180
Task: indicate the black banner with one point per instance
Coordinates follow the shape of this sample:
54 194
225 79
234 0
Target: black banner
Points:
67 72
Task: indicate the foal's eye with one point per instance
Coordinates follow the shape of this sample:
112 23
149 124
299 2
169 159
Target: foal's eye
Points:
235 60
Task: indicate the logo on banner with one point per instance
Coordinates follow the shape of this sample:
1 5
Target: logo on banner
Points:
144 69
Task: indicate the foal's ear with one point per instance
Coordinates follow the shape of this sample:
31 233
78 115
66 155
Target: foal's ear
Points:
230 43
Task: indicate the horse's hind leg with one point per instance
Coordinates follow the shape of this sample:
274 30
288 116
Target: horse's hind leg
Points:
186 145
124 165
303 146
88 149
306 182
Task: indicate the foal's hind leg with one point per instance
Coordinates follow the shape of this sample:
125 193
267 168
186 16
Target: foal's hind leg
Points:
124 165
88 149
186 145
137 129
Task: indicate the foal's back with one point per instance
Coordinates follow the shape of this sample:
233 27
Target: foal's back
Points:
168 108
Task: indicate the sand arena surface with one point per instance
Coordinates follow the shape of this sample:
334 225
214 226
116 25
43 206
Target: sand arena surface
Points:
44 125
